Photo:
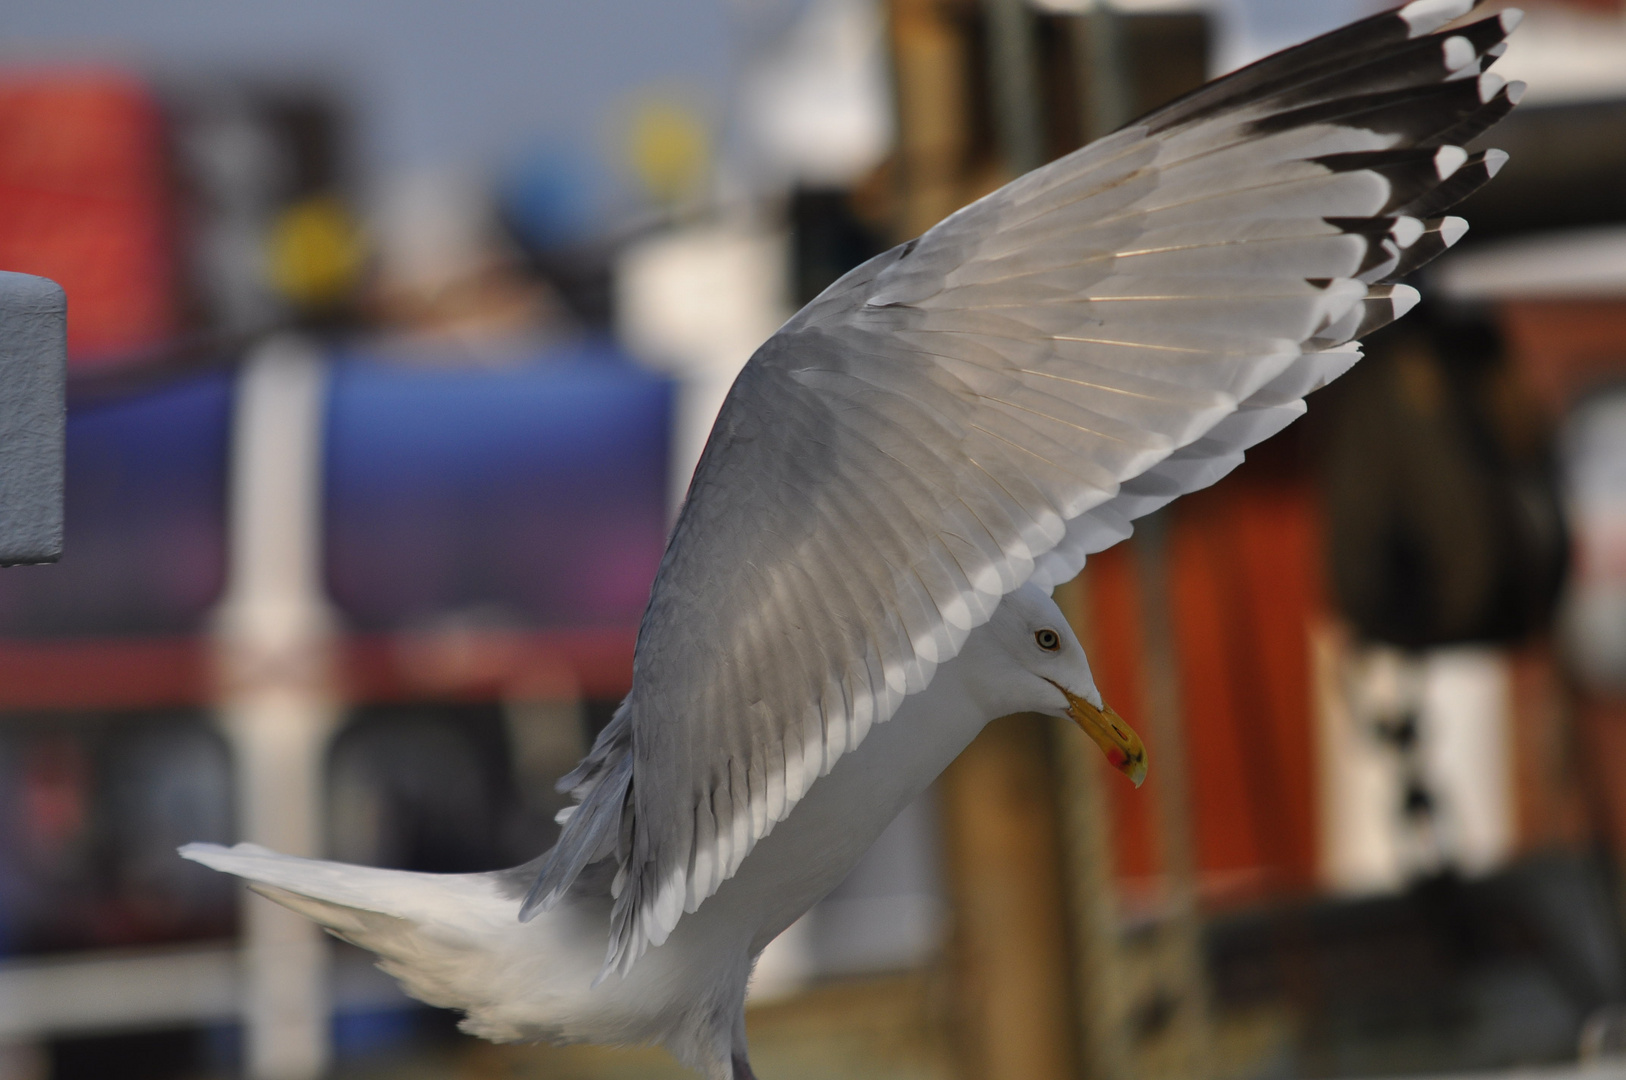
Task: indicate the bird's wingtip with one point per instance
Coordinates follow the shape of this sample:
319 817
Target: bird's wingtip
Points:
215 855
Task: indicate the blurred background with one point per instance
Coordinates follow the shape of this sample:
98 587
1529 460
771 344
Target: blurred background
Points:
395 330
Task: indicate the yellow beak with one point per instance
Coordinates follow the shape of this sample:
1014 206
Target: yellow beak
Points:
1117 740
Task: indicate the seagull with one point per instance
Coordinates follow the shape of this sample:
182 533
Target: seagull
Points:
860 577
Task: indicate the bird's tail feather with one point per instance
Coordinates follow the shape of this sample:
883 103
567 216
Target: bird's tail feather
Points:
452 940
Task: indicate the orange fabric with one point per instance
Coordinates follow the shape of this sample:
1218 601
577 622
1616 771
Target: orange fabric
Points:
1561 349
1115 660
1245 578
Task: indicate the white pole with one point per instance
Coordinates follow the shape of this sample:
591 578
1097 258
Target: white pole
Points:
277 699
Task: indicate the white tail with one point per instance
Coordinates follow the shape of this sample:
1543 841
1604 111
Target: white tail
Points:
455 940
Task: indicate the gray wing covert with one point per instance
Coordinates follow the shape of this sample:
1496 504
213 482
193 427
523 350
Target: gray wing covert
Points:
994 401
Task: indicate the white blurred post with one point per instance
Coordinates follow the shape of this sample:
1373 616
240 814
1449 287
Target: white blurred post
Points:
697 302
1458 701
277 699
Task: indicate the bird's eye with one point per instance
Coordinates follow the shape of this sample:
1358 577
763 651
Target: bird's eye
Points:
1048 640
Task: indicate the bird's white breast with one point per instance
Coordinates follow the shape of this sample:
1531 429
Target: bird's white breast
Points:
531 990
812 850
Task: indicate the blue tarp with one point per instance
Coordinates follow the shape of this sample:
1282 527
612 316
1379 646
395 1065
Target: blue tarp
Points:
531 496
528 496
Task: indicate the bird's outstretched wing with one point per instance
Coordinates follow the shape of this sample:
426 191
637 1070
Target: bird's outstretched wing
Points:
990 403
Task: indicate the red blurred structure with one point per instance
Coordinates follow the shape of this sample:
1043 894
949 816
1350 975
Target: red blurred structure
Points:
84 201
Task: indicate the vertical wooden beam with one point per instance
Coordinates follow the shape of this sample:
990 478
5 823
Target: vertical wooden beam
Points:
930 60
1015 1002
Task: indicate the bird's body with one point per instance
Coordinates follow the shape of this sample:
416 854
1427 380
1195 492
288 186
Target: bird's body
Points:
859 577
454 940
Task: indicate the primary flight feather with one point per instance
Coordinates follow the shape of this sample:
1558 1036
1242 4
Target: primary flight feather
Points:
894 483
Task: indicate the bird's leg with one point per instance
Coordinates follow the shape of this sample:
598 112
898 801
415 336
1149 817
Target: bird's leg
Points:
741 1058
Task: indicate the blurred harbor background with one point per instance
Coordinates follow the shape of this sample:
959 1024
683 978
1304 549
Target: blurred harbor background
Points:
395 329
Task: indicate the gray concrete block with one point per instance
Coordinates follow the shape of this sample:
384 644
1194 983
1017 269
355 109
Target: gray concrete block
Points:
33 414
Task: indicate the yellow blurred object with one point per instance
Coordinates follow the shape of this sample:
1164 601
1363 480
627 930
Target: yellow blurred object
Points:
316 253
668 147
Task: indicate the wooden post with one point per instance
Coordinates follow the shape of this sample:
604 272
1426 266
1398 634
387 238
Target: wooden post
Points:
1014 995
930 60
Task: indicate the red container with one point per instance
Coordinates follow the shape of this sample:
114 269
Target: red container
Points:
84 200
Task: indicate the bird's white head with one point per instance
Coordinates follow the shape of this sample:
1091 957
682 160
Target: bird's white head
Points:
1041 667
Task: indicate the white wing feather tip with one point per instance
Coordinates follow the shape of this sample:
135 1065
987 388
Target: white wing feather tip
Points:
1515 90
1458 52
1494 160
1426 16
1491 84
1447 160
1403 298
1407 230
1452 229
1510 19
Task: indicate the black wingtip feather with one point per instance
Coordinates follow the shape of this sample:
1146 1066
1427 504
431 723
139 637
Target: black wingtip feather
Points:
1475 173
1411 174
1480 121
1342 48
1415 116
1438 237
1382 305
1430 60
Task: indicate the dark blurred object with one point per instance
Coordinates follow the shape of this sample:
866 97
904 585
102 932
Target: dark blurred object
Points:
91 811
583 279
1162 56
545 205
1566 167
266 233
1452 975
421 788
949 149
1443 517
149 1055
1603 1036
828 238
